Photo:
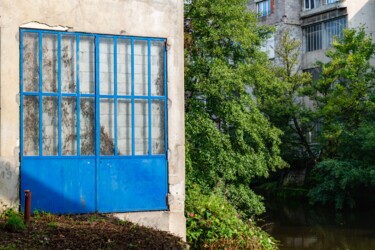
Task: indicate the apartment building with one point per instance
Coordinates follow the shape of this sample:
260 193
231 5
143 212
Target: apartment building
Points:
314 22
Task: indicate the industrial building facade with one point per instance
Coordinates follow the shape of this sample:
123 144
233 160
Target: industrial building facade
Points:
92 108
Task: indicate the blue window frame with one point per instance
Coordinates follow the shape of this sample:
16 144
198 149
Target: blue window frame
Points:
120 80
264 8
93 121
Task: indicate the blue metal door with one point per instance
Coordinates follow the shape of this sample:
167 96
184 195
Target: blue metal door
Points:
93 122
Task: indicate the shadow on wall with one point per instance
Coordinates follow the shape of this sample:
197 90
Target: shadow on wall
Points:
68 188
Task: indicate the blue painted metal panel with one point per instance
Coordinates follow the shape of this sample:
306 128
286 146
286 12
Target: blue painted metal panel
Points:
132 184
81 184
59 185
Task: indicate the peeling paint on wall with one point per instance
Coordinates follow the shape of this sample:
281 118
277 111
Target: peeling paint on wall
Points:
38 25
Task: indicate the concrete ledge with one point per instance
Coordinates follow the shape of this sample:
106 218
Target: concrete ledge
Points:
161 220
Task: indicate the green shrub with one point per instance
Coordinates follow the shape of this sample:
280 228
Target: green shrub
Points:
336 182
14 221
213 223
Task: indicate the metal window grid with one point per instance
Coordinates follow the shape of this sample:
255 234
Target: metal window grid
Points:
97 95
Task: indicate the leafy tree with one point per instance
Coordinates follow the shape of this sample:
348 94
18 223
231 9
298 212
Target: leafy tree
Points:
344 95
284 102
344 98
229 141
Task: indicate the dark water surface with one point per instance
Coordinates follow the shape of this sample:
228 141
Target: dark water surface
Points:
303 227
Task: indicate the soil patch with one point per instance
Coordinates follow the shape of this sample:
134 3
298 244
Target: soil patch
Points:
93 231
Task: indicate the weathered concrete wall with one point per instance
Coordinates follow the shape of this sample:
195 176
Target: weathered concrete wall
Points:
9 182
362 12
150 18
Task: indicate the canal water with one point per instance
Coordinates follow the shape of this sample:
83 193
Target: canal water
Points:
303 227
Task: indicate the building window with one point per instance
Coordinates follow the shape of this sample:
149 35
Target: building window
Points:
313 35
331 1
326 31
87 94
311 4
264 8
334 29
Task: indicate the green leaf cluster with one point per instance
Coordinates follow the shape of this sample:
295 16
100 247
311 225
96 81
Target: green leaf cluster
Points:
213 223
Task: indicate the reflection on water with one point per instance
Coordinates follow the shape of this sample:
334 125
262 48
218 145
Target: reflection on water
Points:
299 227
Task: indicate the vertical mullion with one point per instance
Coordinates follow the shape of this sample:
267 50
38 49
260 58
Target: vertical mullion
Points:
59 93
165 101
149 97
132 96
78 99
97 117
40 60
21 92
115 90
97 99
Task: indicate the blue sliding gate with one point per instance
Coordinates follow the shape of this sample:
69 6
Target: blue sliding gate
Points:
93 115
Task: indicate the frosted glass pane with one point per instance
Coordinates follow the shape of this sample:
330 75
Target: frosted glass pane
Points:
30 62
68 64
50 125
123 67
124 127
49 69
107 111
141 127
158 121
87 65
31 125
106 66
140 68
157 68
87 126
69 126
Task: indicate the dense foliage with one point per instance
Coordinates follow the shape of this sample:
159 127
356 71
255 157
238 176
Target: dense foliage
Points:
229 141
345 101
284 102
213 223
339 107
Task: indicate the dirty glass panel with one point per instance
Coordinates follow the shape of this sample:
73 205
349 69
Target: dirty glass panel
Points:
106 66
49 59
157 68
69 126
87 126
30 62
50 125
158 121
30 125
68 64
124 127
141 127
123 67
107 134
87 65
140 68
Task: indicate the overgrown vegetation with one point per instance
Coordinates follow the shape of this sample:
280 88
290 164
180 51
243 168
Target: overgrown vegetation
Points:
345 101
229 141
213 223
341 103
